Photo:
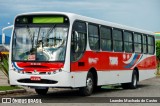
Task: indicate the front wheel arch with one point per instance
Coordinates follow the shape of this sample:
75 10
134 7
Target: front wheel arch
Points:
88 89
137 71
95 76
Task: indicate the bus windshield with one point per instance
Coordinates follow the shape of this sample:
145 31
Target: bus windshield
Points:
40 43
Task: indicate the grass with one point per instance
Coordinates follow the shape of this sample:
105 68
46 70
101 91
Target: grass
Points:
158 71
4 88
112 86
4 64
158 75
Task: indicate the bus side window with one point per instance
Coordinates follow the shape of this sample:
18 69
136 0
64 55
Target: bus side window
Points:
105 40
93 37
145 44
78 40
151 47
138 43
117 40
128 42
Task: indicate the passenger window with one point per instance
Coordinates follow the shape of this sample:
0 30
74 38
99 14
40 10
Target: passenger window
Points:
128 42
138 43
105 38
93 37
151 47
117 40
144 43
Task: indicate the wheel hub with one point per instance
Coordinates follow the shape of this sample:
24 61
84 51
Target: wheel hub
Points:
89 84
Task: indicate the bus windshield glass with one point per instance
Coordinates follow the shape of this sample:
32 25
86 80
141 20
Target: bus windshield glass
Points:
39 43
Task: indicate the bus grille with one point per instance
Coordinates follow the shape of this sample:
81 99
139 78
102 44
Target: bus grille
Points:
42 81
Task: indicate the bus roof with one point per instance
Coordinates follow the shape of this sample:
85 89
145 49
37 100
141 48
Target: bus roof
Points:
73 17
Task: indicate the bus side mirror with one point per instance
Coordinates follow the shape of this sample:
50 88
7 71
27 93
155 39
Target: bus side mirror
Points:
74 41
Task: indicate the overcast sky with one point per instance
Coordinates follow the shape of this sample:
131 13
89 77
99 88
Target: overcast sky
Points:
143 14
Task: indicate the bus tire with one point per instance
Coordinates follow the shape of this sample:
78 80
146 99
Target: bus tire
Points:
41 91
133 83
88 89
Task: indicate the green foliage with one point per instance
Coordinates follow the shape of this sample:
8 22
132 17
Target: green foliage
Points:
4 66
4 88
158 49
158 56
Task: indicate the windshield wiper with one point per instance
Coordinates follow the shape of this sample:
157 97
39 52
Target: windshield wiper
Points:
29 31
51 29
48 33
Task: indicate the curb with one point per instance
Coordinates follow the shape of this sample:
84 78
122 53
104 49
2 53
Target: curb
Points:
12 91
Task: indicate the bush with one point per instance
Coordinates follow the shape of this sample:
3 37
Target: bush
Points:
158 56
4 66
158 49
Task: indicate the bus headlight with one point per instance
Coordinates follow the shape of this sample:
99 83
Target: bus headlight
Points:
22 72
57 71
14 69
49 73
60 70
19 71
54 72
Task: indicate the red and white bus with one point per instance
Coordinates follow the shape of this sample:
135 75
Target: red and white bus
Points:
59 49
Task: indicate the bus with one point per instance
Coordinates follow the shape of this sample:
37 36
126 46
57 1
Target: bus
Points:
67 50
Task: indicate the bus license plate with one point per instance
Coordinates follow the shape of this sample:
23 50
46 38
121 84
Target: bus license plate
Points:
34 78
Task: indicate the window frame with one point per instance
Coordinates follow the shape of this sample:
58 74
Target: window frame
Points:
132 42
121 30
107 39
151 45
98 29
137 42
143 44
85 47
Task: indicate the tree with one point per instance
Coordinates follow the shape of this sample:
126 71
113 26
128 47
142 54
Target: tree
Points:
158 55
158 49
4 66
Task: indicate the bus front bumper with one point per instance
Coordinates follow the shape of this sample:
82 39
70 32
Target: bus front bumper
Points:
60 79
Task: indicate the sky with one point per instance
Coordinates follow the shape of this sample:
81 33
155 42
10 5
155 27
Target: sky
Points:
143 14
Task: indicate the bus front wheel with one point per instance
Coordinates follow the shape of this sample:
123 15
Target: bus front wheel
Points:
88 89
41 91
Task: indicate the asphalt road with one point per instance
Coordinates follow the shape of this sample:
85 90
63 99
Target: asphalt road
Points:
146 88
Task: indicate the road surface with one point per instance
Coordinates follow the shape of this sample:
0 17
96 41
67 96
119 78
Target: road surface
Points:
146 88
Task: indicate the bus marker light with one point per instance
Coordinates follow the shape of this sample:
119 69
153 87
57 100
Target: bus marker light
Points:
49 73
60 70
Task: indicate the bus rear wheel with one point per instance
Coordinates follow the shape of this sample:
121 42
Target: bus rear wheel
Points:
41 91
133 83
88 89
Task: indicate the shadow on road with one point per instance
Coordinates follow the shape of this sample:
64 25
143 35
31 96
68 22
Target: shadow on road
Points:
142 86
72 93
117 89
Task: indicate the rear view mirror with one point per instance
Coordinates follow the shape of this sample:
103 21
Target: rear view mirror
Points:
74 41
